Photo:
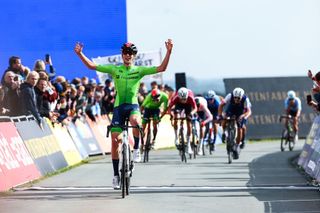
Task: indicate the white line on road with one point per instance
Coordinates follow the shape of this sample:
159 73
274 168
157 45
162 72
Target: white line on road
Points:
171 188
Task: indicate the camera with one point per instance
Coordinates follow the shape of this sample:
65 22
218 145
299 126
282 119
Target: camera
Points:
309 99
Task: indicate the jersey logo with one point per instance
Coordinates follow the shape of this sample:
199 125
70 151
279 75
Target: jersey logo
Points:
117 76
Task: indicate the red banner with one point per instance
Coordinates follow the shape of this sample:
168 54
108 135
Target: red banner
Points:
16 164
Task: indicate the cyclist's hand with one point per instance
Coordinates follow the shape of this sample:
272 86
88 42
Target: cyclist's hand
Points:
219 118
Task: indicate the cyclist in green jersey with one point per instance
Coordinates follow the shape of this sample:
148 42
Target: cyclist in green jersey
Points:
151 107
127 79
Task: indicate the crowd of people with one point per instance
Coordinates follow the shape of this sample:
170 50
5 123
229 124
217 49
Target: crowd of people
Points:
42 93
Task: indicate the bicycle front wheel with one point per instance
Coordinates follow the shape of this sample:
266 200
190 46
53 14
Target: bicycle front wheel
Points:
123 171
283 140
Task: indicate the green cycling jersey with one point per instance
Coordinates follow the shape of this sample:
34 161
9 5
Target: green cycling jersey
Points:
150 104
126 81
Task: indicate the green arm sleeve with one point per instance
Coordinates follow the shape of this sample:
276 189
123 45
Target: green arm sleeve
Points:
146 100
147 71
106 68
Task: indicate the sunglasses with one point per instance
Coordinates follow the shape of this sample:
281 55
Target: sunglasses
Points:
127 52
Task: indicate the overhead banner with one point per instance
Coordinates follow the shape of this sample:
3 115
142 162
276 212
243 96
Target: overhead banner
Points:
142 59
267 97
16 164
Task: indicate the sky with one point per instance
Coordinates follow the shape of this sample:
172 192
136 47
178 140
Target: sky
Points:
230 38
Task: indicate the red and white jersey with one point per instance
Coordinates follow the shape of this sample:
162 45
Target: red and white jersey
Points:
203 107
190 100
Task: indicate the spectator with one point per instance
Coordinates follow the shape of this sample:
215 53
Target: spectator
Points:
62 109
142 92
154 85
81 103
40 66
108 99
96 106
42 103
28 96
90 103
11 91
316 85
16 66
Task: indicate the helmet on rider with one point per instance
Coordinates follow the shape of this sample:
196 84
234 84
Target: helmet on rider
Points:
129 48
210 94
183 93
155 93
238 92
291 94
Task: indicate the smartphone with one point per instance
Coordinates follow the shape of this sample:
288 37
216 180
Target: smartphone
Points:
309 98
47 58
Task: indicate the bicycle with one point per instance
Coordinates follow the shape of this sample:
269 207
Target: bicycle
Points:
182 146
209 131
231 145
288 134
126 164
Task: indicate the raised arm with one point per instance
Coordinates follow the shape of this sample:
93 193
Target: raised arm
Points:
165 62
86 61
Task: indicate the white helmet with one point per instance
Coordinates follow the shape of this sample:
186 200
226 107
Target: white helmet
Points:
291 94
210 94
238 92
183 93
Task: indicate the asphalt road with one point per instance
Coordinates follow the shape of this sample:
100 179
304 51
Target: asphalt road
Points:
262 180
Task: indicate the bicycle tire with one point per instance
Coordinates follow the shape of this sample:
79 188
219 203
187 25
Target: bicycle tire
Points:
129 174
123 171
283 140
147 147
183 147
292 143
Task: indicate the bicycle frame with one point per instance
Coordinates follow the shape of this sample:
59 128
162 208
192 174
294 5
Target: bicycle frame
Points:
288 134
125 161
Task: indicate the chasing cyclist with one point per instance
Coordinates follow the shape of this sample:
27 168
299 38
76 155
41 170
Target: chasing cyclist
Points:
127 79
151 107
213 101
205 118
182 100
239 106
293 108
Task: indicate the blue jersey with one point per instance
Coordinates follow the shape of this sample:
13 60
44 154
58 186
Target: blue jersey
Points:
213 105
293 106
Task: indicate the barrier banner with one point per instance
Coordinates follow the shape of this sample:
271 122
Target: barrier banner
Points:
65 141
16 164
99 129
74 135
86 137
309 158
267 97
42 145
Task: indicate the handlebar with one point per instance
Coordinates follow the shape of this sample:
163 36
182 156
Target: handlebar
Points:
123 127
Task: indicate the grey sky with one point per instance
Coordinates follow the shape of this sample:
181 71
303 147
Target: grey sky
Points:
230 38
